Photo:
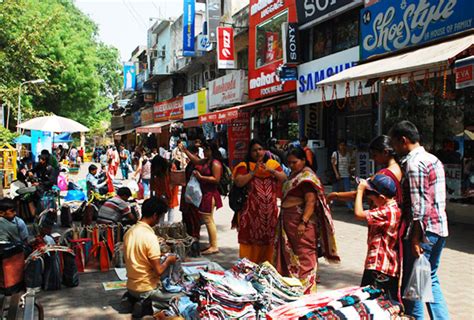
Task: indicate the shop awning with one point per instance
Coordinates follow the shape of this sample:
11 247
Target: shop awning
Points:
424 58
153 128
233 113
124 132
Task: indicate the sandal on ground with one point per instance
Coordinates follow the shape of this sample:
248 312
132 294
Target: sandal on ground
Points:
209 252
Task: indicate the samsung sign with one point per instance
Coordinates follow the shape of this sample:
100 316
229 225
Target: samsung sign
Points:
311 12
313 72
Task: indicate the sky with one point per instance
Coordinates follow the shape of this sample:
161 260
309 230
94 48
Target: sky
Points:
124 23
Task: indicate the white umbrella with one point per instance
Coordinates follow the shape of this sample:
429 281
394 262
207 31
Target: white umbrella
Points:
53 124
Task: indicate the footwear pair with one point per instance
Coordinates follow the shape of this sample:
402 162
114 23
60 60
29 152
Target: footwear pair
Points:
209 251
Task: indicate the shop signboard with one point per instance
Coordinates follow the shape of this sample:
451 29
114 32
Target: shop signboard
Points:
453 174
116 122
363 165
189 106
171 109
225 48
463 69
213 18
266 47
290 43
311 12
389 26
227 90
137 121
309 74
188 28
238 138
201 97
128 122
312 122
129 76
203 43
147 116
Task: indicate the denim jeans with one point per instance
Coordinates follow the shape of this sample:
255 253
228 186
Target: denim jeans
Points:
124 169
146 187
432 251
344 184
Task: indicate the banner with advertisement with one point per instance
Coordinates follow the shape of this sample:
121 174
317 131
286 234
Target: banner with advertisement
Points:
137 120
168 110
227 90
129 76
313 12
213 18
453 180
388 26
146 116
189 106
188 28
202 102
463 69
238 132
290 43
265 47
225 48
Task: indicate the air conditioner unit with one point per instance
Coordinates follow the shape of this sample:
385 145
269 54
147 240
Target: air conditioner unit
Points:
153 54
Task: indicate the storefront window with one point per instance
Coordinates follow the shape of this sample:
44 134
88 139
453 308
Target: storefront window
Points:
269 43
286 124
445 123
336 35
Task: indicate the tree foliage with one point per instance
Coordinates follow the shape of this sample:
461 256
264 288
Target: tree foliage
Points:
55 41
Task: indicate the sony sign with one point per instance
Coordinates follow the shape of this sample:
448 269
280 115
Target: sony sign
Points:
290 42
311 12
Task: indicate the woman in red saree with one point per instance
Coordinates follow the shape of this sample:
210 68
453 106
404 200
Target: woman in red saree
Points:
258 218
304 214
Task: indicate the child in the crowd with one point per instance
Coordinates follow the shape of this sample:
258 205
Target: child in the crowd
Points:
382 263
12 228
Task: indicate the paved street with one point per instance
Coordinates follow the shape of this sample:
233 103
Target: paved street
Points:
90 301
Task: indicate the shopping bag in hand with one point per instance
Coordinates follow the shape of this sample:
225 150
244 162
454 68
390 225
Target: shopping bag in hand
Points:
419 284
193 193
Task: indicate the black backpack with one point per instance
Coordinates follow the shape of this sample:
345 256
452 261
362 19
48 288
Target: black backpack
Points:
237 196
225 184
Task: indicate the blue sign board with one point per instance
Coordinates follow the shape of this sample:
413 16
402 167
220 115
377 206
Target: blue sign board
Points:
391 25
188 28
129 77
137 118
288 73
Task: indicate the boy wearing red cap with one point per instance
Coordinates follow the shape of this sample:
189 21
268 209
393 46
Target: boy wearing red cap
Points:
382 263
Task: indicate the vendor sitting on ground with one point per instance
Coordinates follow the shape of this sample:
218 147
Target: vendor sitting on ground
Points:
142 259
117 209
12 228
96 182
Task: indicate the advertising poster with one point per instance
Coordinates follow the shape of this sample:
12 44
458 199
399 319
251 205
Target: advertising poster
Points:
225 48
213 15
168 110
202 102
388 26
188 28
129 76
239 138
453 174
266 48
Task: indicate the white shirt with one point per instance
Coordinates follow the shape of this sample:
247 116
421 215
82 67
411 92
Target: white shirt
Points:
343 164
223 152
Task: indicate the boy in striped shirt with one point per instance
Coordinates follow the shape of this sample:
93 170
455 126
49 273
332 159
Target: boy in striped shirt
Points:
382 265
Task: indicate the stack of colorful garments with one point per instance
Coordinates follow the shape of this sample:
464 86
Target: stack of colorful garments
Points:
274 290
350 303
223 295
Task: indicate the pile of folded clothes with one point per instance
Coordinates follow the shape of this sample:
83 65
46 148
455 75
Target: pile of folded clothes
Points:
224 295
349 303
274 290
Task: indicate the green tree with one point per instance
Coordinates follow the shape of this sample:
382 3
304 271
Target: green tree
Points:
55 41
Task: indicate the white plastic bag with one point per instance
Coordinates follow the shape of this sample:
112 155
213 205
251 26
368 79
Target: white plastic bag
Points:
419 284
193 193
132 185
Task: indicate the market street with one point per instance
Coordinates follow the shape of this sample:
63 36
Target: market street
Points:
456 270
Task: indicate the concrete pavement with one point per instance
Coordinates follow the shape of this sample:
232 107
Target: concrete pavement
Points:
90 301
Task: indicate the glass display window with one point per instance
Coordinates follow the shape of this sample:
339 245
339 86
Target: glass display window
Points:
269 40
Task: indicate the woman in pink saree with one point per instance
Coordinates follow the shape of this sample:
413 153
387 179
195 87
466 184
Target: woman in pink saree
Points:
305 216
